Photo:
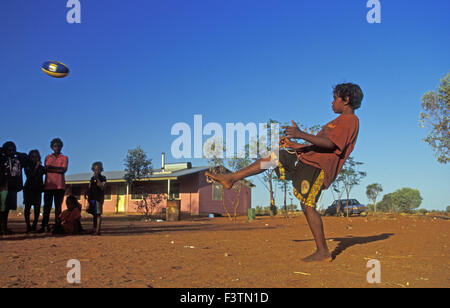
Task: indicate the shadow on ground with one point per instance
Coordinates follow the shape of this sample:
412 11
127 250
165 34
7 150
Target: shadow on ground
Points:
349 241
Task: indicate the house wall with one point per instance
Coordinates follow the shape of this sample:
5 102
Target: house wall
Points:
208 205
195 195
111 205
189 194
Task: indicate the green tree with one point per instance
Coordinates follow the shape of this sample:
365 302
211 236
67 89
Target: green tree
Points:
235 164
385 205
372 192
435 115
137 165
138 168
350 176
403 200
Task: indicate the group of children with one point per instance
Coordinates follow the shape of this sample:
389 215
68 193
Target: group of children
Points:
53 186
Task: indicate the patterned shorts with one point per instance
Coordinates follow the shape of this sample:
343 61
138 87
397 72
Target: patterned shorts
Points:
307 180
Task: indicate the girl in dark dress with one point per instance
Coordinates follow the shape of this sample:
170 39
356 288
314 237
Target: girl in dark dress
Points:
32 192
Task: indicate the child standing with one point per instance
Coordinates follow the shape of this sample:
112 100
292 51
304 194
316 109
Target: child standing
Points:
56 165
313 167
32 192
96 196
12 162
3 190
70 218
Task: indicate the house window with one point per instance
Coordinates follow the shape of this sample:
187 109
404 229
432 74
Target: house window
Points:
217 192
174 190
136 192
108 192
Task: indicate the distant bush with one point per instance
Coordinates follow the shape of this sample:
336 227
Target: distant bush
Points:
422 211
262 211
404 200
274 210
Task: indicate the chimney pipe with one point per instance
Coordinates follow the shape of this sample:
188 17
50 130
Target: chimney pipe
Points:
163 164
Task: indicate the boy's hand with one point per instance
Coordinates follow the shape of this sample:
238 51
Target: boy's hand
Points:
293 131
285 142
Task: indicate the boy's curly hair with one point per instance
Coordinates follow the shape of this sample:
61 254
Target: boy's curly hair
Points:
99 164
350 90
56 141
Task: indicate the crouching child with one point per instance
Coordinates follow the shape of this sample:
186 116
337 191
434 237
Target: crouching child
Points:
71 218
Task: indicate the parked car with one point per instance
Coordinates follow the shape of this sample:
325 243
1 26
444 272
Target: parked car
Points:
354 207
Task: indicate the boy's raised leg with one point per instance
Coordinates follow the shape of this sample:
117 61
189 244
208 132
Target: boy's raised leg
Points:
228 179
316 226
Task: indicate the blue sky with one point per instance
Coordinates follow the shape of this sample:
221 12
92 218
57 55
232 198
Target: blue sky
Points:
139 67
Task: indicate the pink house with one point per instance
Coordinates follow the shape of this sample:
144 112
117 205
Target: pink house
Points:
175 181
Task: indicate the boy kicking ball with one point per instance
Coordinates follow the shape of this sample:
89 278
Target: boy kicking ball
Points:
313 167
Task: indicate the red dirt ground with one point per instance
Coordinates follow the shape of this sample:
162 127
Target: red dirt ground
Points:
413 251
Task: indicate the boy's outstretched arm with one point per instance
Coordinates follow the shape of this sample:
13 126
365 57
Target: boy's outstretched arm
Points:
320 141
286 142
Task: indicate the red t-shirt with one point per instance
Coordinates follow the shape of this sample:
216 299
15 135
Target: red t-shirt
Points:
343 132
55 180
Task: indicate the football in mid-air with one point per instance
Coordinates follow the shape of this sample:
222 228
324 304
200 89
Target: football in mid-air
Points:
55 69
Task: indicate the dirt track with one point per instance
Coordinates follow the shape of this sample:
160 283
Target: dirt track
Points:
413 251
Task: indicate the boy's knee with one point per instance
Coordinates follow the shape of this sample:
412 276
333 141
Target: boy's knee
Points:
307 208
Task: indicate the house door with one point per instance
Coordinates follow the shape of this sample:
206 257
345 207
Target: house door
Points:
121 196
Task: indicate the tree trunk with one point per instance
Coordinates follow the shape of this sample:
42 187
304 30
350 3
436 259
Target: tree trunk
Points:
272 201
236 205
286 214
348 196
223 204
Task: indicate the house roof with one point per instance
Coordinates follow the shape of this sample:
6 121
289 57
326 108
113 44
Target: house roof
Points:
158 175
118 176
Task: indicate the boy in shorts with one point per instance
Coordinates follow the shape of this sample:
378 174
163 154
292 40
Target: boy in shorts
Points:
312 167
96 196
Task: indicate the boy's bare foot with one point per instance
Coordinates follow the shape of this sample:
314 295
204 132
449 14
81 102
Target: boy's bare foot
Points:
224 179
319 257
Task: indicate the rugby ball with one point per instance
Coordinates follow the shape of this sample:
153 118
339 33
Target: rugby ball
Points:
55 69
